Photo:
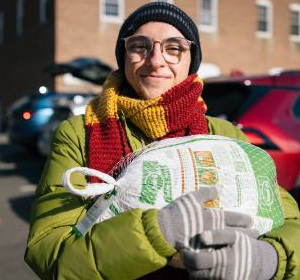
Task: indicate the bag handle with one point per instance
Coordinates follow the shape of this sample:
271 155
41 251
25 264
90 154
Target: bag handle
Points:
91 189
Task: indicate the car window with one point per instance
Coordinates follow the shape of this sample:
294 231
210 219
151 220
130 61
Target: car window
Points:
231 100
256 93
224 99
296 108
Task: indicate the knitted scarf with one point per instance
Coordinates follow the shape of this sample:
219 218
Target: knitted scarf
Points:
178 112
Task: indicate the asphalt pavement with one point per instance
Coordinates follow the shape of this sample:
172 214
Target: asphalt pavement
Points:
20 170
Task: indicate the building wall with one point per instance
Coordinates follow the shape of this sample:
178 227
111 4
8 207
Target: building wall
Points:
234 46
76 30
23 58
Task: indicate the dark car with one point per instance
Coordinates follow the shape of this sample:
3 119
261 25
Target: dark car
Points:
267 108
89 69
61 111
27 116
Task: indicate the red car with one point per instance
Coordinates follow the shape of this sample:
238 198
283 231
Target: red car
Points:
267 108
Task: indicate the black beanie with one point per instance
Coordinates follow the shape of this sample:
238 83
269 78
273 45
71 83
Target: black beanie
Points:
161 12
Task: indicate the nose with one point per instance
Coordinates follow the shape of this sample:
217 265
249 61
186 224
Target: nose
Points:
156 59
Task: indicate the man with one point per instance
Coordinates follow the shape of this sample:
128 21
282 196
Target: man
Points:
154 95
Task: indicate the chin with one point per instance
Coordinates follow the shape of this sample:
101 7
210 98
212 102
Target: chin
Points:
152 93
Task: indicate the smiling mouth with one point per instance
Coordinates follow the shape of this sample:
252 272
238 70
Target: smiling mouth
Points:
155 77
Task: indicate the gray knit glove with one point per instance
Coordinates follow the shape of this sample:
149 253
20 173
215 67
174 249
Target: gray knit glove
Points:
184 219
240 257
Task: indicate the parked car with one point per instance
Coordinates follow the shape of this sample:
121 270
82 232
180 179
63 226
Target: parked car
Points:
89 69
267 108
61 111
27 116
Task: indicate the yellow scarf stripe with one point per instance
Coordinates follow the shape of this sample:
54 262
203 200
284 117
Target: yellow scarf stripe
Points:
146 114
198 80
100 109
105 105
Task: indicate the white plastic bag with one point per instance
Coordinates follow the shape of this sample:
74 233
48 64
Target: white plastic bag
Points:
167 169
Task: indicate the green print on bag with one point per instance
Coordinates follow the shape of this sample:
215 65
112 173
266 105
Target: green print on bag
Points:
114 209
269 204
155 178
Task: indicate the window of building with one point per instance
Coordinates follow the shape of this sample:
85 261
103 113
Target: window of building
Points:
44 12
1 27
264 18
208 15
20 17
112 10
295 22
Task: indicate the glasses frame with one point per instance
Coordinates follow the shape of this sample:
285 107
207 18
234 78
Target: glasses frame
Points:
190 43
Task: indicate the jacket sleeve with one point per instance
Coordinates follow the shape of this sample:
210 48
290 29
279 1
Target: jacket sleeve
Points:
124 247
286 238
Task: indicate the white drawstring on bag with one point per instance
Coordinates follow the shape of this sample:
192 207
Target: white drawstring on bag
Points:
91 189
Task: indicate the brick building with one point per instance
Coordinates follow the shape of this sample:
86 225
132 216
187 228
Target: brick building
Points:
251 36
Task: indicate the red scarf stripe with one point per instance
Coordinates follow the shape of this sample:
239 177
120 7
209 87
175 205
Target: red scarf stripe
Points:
179 103
107 145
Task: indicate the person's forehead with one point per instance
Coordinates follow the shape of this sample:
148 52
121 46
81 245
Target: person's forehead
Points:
158 30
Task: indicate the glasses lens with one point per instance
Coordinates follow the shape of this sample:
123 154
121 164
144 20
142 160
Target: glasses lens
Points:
174 48
138 47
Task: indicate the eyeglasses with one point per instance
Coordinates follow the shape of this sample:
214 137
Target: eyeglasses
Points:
139 47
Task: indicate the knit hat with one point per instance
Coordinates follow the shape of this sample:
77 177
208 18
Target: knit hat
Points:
160 12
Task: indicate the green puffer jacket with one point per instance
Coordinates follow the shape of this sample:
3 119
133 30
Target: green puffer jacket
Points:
124 247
